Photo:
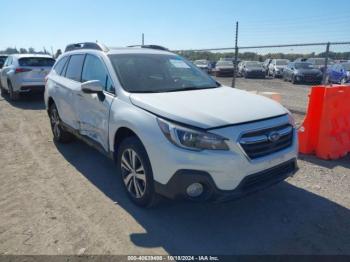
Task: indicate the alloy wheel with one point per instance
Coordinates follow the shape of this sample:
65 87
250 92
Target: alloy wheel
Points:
55 123
133 173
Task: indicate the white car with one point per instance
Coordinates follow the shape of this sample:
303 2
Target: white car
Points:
277 66
24 73
172 130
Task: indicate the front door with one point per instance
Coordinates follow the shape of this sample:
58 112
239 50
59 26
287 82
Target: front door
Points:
93 109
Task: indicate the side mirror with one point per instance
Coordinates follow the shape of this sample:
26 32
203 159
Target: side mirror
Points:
92 87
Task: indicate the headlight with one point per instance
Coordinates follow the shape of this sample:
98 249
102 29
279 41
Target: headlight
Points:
191 139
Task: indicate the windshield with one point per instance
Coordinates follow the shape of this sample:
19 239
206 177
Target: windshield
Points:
200 62
149 73
282 62
253 64
303 66
224 63
36 61
346 66
319 61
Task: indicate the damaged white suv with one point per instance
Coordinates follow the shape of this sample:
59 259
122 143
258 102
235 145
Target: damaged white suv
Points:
172 129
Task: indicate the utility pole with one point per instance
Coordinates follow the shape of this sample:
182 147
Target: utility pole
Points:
143 39
236 58
326 65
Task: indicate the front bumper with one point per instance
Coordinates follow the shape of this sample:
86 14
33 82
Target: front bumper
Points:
32 89
176 187
309 78
256 74
225 72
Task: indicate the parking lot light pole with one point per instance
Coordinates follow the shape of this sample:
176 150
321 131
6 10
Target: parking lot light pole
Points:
326 65
236 57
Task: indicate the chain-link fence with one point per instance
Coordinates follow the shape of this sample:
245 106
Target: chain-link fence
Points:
298 63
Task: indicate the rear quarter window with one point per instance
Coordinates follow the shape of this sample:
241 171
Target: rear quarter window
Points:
36 61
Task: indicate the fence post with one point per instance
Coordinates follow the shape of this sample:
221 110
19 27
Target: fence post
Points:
326 64
236 57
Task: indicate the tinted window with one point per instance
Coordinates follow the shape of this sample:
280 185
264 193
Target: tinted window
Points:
94 69
60 65
74 67
303 65
36 61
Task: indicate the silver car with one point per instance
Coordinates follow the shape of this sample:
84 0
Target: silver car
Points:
24 73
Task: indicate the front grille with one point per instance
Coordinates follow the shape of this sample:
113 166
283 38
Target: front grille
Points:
267 141
270 176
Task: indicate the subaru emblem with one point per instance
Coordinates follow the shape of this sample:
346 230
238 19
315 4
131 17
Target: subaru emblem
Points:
274 136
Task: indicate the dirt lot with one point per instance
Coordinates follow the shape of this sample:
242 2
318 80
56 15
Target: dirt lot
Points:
67 199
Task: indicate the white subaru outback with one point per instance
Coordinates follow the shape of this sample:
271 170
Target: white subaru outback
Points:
171 129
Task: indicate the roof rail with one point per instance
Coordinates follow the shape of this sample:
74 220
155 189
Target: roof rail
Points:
157 47
86 45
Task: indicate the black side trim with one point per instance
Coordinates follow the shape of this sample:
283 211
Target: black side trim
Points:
176 186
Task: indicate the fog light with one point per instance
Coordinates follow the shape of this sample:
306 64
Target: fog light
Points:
194 190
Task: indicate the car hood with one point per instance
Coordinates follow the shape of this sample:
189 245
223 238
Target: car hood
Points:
209 108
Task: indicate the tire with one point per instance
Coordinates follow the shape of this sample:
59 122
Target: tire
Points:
3 92
293 80
137 175
59 134
14 96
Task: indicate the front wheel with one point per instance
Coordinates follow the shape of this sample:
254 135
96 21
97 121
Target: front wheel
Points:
136 172
59 134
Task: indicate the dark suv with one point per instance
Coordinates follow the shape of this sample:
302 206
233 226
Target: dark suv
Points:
302 72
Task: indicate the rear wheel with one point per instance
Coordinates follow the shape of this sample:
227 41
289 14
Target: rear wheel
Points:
135 169
2 90
59 134
13 95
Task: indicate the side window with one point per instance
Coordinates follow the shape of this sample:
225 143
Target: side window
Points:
74 67
58 68
94 69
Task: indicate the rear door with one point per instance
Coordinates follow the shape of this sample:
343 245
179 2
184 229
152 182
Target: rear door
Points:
67 88
93 112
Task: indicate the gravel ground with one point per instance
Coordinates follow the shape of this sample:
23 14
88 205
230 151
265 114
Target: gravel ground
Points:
68 199
294 97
